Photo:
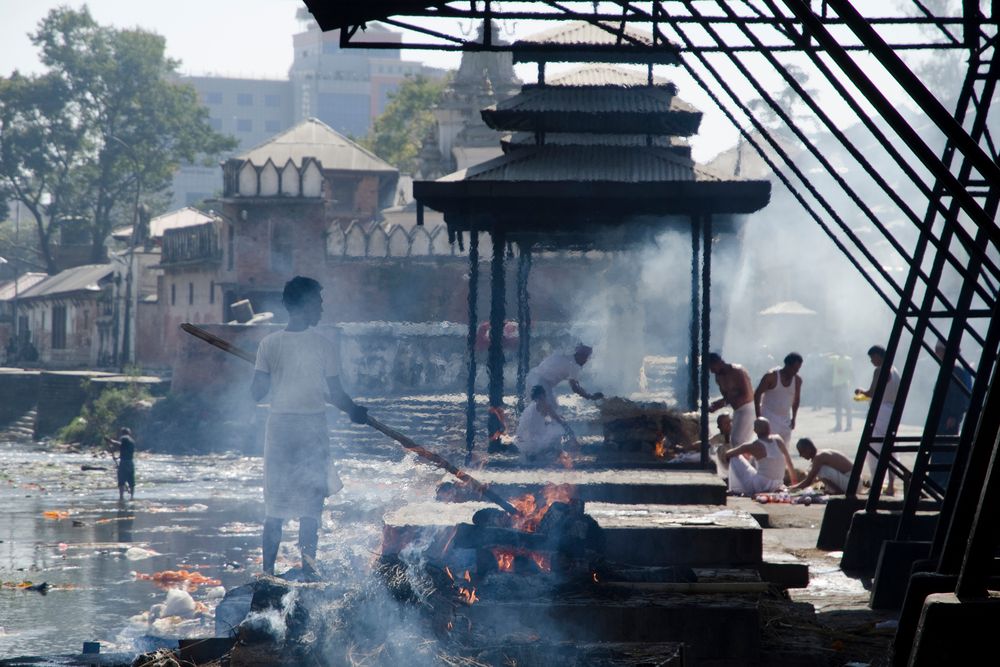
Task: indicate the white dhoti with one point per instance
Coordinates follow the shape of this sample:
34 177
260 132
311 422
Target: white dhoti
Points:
878 431
834 477
743 418
540 444
748 480
296 462
780 425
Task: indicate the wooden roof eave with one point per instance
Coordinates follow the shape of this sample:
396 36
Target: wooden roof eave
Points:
516 204
673 123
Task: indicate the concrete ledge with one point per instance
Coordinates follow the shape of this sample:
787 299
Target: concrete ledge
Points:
921 584
629 487
870 529
892 575
956 632
836 522
687 535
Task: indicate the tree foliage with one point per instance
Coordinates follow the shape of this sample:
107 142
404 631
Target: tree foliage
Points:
398 132
106 117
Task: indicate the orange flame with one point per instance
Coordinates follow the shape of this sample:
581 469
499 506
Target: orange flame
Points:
448 572
660 448
468 595
530 512
542 561
505 559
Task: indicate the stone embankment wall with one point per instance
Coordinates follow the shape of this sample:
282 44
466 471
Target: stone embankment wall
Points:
376 357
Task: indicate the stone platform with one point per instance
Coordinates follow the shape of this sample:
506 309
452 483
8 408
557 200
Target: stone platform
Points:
642 535
627 487
716 630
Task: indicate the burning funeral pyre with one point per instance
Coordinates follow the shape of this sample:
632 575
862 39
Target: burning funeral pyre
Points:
647 428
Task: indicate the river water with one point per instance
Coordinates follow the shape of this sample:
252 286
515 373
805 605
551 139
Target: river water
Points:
198 513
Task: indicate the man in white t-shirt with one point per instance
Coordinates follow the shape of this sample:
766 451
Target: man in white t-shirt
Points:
556 368
300 369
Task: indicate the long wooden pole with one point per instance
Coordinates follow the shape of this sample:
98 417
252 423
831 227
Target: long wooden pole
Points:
406 442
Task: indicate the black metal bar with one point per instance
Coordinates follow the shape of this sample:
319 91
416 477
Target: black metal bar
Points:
706 329
895 120
494 359
470 342
971 463
983 535
890 190
945 376
915 88
692 401
523 321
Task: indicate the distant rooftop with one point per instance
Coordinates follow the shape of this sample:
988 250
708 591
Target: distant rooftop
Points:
312 138
84 278
583 41
24 282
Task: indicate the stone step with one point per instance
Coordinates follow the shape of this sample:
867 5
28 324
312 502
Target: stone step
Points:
628 486
637 535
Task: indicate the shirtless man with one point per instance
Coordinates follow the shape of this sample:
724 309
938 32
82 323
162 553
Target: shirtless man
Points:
737 391
771 456
828 466
777 396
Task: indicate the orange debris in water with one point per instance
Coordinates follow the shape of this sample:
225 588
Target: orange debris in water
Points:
55 514
178 579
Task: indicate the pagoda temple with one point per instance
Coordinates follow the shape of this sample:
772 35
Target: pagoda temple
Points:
596 159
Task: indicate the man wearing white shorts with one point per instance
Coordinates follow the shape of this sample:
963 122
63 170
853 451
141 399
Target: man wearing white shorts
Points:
876 354
771 457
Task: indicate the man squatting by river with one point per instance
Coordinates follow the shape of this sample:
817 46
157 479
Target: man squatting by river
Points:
301 370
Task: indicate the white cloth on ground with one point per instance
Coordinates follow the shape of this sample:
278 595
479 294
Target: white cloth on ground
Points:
750 480
835 477
553 370
299 363
296 463
535 434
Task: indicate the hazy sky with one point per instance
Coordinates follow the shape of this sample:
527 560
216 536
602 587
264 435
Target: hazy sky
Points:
253 38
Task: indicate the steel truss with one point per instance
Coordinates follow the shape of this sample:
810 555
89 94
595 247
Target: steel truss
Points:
949 201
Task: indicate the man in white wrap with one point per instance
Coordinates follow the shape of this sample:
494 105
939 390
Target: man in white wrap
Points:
300 368
876 354
540 430
737 391
771 457
556 368
777 396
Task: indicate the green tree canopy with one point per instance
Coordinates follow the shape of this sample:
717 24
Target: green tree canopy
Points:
107 116
398 132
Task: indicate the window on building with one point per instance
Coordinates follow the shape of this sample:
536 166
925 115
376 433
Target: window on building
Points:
173 294
281 248
244 99
244 125
190 294
272 125
272 100
58 327
211 292
215 124
231 247
213 97
343 194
